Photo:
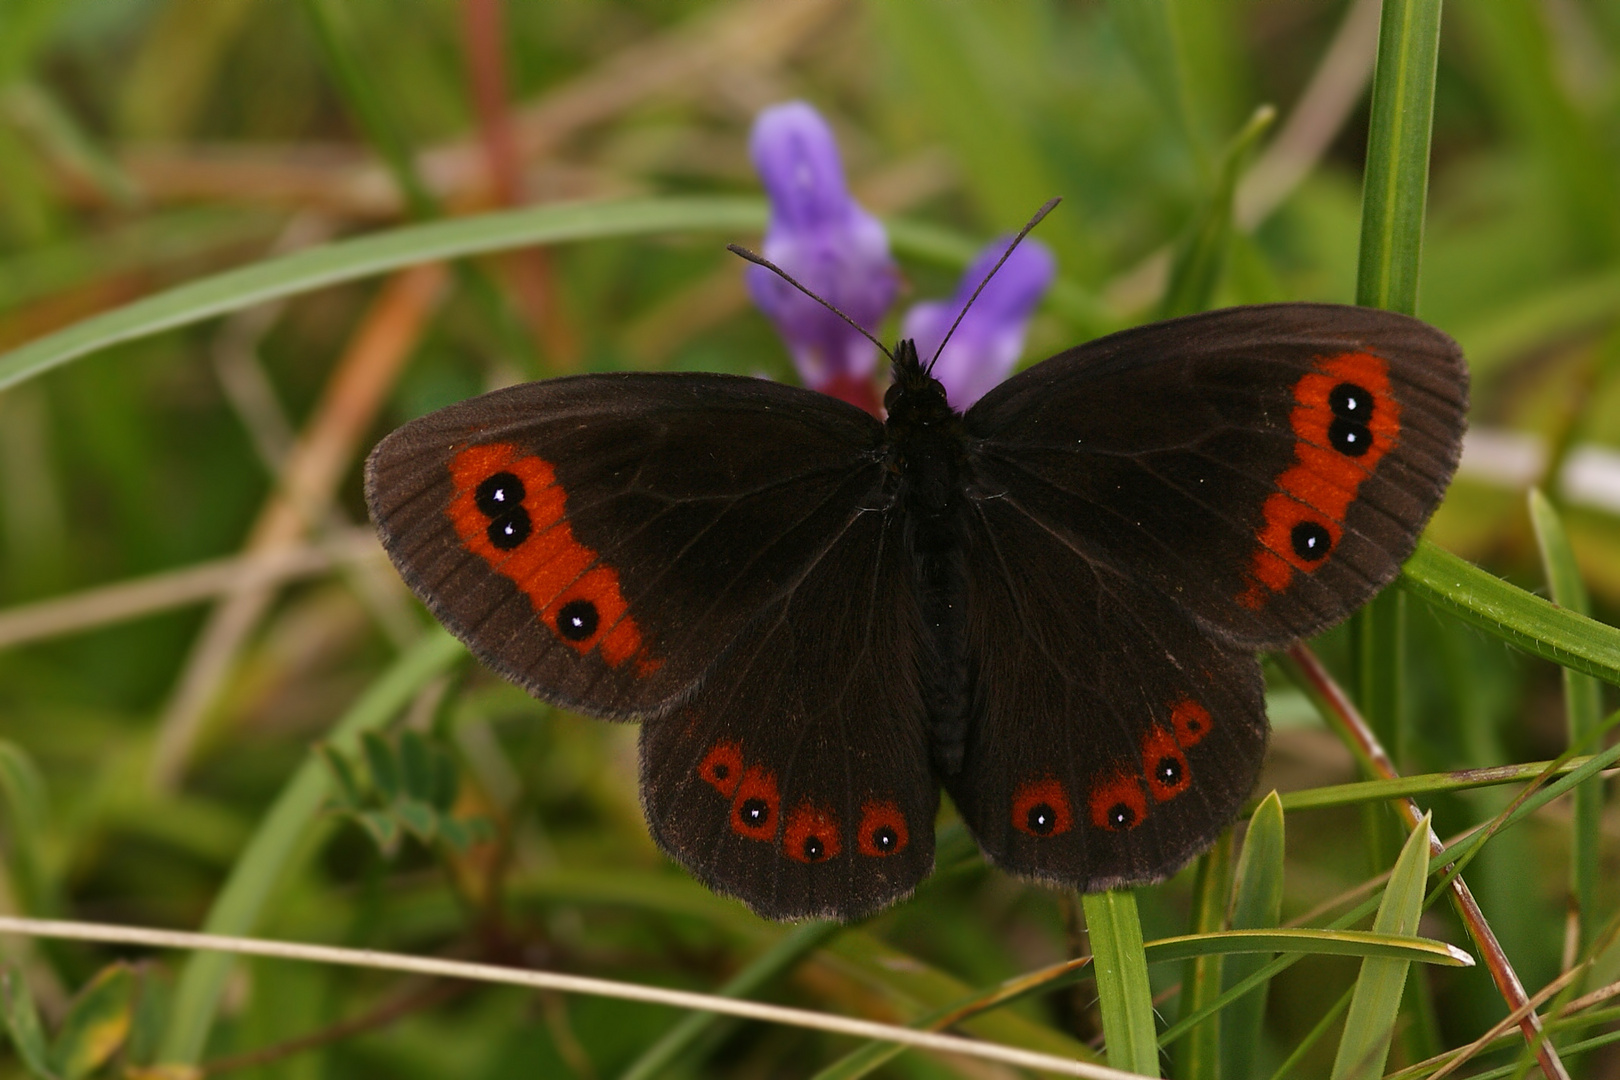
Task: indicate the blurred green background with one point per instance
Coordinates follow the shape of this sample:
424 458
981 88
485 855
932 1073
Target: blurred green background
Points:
156 695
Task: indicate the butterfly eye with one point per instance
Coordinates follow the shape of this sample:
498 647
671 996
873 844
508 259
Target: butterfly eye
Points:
510 529
577 620
1164 765
1117 803
883 829
1350 402
1348 437
811 834
722 767
754 810
1190 721
1041 808
499 493
1311 541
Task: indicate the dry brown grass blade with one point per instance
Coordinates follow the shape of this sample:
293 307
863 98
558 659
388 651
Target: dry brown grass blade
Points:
528 271
148 595
1345 716
318 463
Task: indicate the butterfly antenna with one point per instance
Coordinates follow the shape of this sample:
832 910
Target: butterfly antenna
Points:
760 260
1005 255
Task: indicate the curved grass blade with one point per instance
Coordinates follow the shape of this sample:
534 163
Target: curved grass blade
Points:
1124 995
1583 710
1201 257
1522 619
1256 903
236 909
1200 1058
348 260
781 957
1370 1024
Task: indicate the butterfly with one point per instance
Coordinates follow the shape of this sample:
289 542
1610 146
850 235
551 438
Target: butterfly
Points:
1049 606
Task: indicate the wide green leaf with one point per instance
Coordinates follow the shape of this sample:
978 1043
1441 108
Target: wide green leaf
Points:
1123 993
1370 1024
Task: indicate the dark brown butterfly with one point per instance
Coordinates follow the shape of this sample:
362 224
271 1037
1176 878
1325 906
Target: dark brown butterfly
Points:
1049 605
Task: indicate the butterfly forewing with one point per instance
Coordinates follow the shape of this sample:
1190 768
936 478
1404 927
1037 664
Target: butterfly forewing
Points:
1110 739
797 777
602 539
1267 467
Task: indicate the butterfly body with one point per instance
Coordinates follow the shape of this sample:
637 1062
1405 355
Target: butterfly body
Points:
1049 605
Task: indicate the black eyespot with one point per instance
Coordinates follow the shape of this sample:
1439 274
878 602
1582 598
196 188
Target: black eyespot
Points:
814 849
1122 816
510 529
1350 402
1311 541
498 494
1168 771
720 771
884 838
755 812
1348 437
577 620
1042 818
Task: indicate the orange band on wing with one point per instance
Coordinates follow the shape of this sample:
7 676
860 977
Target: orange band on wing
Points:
1345 419
528 540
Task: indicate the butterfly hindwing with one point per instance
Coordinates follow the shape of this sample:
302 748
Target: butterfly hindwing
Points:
1110 738
600 540
796 777
1266 467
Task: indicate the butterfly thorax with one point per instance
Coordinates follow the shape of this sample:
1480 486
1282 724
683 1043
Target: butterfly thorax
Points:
927 451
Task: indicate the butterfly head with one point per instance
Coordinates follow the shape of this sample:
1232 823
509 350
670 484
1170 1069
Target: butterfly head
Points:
915 398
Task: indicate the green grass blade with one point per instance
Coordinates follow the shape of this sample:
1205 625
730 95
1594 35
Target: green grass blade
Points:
254 878
1583 709
1312 1037
1522 619
1200 1057
1155 34
1201 257
1256 903
1124 994
1370 1024
781 957
1397 173
1305 940
1377 791
379 253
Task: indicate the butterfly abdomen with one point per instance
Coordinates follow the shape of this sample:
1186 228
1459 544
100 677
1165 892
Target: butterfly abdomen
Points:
928 449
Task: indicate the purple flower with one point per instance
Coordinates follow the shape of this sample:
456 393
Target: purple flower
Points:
821 236
984 348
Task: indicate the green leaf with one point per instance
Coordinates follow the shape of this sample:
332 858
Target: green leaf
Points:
1370 1024
1123 992
1522 619
446 782
418 817
96 1024
1583 710
416 766
1201 256
22 1024
764 968
382 760
1256 903
1396 184
26 808
281 835
384 829
1200 1057
348 793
